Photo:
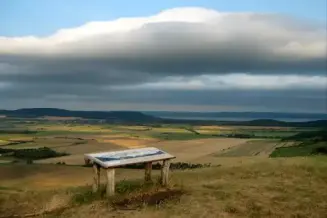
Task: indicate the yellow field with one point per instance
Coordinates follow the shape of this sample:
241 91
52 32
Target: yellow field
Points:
132 127
22 138
168 129
212 128
105 138
3 142
131 143
208 131
74 128
59 118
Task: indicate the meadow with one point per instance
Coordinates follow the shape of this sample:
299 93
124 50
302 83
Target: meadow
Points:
242 180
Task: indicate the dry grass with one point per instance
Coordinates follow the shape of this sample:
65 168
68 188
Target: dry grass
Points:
294 187
48 176
266 189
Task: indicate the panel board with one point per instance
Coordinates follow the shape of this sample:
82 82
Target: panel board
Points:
130 156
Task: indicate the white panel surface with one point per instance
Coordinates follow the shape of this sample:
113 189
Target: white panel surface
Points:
130 156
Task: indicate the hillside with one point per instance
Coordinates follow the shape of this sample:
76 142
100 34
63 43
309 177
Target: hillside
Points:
259 122
139 117
120 116
242 115
304 144
253 187
270 122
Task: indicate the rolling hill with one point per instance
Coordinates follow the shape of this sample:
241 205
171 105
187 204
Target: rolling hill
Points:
144 117
127 116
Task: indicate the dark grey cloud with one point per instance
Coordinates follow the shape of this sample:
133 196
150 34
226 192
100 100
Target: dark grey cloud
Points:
147 61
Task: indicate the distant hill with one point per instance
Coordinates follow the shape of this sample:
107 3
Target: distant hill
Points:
119 116
238 116
141 117
269 122
259 122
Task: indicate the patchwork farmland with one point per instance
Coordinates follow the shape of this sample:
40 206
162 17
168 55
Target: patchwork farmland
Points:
53 171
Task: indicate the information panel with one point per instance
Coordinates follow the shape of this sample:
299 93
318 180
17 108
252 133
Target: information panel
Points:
130 156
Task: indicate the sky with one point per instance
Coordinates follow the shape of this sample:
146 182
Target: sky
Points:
184 55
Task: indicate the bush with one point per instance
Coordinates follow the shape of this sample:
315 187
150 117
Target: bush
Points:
14 131
320 150
32 153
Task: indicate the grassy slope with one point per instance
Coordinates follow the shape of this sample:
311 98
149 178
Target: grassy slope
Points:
299 150
250 148
308 143
294 187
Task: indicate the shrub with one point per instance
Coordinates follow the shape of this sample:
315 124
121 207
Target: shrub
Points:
320 150
31 153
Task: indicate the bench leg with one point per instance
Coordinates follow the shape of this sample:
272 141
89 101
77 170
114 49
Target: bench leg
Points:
165 172
96 177
148 169
110 182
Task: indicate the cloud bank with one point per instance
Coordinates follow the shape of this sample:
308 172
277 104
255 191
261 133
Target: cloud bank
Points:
182 49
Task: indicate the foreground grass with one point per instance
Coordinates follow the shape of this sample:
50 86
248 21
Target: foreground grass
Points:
294 187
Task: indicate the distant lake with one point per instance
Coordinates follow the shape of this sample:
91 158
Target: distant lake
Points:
237 118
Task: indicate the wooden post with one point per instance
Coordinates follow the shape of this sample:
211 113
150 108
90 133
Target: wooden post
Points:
165 172
148 169
96 177
110 182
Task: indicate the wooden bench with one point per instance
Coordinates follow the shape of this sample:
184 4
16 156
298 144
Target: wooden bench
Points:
111 160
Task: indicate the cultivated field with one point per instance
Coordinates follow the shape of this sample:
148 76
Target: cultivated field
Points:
241 182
